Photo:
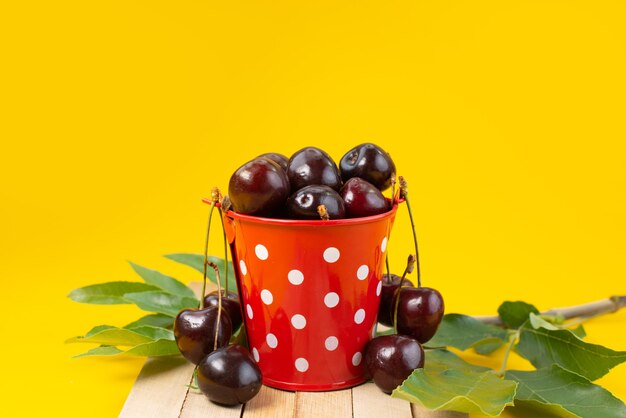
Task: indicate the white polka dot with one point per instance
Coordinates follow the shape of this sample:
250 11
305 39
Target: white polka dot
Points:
295 277
298 321
331 343
383 245
359 316
362 272
271 340
356 359
243 267
267 297
379 288
302 365
250 313
331 299
261 252
255 354
331 254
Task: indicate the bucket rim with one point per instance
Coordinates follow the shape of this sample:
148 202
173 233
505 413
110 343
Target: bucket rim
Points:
314 223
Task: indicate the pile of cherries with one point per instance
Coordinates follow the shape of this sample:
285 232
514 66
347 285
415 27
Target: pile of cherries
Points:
275 186
310 186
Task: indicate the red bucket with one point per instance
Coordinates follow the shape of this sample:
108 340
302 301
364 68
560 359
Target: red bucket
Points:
309 292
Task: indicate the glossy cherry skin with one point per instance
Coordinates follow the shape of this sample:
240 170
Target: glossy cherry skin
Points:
420 310
362 199
387 299
230 303
390 359
259 187
369 162
303 203
312 166
194 331
229 376
279 159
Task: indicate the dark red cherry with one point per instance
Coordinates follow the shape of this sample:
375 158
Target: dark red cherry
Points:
259 187
310 166
362 199
390 359
387 299
279 159
420 310
369 162
303 203
230 303
194 331
229 376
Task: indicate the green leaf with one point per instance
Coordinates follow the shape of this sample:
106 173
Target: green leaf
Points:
449 383
565 393
160 280
487 347
579 331
103 350
113 336
110 293
196 261
151 349
161 302
514 314
155 348
463 332
97 329
544 347
155 333
155 320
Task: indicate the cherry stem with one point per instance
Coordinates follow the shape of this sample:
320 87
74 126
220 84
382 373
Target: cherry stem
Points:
393 189
225 251
206 253
585 311
404 193
219 301
387 265
410 263
323 212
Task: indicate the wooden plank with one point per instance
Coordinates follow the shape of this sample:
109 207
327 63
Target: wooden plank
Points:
420 412
271 403
160 389
197 405
323 404
370 402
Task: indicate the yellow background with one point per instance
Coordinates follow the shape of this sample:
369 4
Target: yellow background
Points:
507 118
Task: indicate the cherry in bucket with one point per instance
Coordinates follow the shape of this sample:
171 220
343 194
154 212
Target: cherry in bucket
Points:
362 199
369 162
278 158
259 187
303 204
312 166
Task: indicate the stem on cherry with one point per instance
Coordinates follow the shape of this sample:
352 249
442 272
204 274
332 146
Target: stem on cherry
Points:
322 210
410 264
225 251
387 265
214 199
404 194
219 301
393 189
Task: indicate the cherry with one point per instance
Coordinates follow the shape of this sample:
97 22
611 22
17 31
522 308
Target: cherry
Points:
310 166
369 162
229 376
303 203
194 331
230 304
362 199
390 359
391 283
259 187
279 159
420 310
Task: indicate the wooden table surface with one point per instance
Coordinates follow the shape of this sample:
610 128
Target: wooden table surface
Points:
161 390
